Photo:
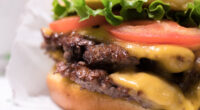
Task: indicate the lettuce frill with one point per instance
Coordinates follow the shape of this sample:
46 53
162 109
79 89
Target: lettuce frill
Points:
129 10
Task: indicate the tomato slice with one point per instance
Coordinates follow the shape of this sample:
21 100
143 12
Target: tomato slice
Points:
156 32
72 23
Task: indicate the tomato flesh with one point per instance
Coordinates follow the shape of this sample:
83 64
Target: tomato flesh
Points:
154 32
69 24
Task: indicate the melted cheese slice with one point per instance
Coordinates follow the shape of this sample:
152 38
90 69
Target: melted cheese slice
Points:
173 59
166 96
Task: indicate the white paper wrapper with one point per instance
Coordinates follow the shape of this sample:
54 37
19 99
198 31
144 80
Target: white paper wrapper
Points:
29 65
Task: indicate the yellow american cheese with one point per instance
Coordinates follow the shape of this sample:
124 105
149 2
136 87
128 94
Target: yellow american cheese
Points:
171 58
153 88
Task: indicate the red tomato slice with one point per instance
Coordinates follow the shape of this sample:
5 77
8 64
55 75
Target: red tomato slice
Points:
154 32
72 23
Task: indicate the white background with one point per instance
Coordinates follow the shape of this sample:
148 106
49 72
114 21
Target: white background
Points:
10 12
20 24
10 15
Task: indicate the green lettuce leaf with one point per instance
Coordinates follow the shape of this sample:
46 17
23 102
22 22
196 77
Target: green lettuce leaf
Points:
109 15
129 10
132 9
157 10
83 10
62 11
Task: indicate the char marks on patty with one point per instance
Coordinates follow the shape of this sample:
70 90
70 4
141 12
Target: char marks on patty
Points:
75 47
97 80
109 57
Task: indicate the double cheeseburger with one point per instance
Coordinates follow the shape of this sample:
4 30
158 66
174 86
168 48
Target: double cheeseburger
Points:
124 54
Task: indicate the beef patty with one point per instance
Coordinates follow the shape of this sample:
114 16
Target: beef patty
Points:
75 47
97 80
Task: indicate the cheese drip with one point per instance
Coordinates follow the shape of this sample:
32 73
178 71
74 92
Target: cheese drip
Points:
153 88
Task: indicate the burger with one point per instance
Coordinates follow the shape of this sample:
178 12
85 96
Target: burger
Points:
124 54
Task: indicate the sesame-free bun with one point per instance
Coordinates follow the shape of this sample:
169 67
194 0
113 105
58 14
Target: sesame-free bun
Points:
70 96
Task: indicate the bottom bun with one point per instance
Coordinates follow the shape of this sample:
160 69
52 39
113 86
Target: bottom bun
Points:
70 96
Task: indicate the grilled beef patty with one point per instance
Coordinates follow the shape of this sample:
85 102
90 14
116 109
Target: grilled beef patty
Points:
97 80
109 57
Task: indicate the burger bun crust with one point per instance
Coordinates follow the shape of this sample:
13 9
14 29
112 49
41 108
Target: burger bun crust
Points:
70 96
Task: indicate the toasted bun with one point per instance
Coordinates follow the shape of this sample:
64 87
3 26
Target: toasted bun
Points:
70 96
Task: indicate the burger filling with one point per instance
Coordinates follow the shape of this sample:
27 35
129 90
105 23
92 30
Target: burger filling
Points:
125 70
135 50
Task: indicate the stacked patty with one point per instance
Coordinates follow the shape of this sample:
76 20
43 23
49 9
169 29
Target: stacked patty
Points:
89 63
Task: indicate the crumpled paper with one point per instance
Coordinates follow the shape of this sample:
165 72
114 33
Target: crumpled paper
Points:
28 66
